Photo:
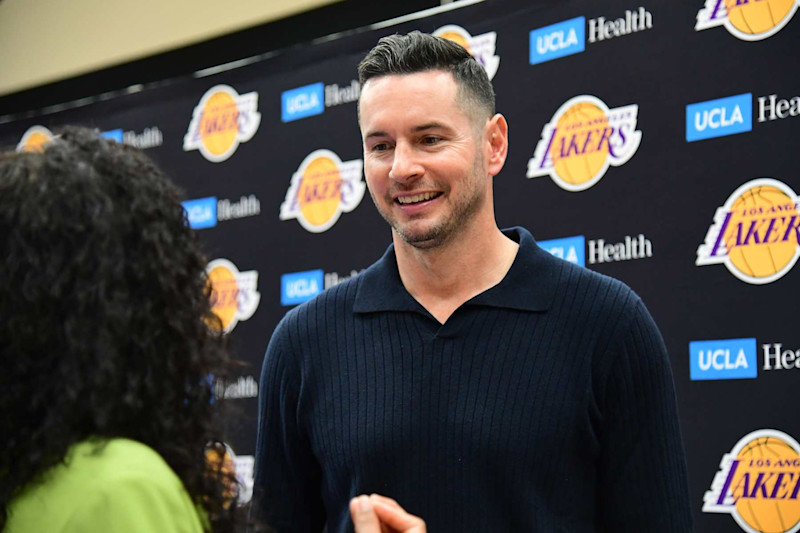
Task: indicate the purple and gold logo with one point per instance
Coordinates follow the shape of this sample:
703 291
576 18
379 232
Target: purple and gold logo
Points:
758 483
748 20
482 47
234 294
755 233
221 121
582 140
322 189
34 139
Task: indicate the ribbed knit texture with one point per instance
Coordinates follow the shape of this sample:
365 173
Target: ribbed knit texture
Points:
544 404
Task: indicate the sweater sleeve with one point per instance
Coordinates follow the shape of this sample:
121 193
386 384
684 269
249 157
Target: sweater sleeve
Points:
642 470
135 503
287 493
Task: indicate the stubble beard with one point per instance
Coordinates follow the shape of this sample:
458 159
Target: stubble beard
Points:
451 224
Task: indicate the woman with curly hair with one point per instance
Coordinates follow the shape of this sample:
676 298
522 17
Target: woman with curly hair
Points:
106 348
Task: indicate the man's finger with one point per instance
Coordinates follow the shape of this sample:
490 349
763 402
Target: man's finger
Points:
385 499
363 515
394 516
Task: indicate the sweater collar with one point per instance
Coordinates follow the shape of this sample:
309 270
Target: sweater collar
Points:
529 284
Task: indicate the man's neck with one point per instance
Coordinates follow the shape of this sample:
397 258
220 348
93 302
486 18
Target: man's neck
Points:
441 279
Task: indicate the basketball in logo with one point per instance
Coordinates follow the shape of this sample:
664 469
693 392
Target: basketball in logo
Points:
582 140
758 485
482 47
451 33
34 139
322 189
234 295
757 17
220 458
574 167
748 209
748 20
221 121
755 234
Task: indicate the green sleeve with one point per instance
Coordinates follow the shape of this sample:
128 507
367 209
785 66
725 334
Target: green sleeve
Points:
135 504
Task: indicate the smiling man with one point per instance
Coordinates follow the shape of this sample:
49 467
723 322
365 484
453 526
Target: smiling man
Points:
480 382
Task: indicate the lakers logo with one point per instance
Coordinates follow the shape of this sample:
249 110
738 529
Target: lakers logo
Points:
234 295
582 140
758 483
221 121
34 139
749 20
755 234
322 189
482 47
222 458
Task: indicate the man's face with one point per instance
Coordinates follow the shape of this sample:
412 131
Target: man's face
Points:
423 157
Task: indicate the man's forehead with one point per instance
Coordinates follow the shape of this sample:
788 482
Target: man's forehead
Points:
404 89
436 87
439 81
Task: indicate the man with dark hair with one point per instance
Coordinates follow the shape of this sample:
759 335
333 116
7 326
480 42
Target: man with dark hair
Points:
468 374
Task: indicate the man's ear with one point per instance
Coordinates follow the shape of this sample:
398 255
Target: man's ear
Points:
496 143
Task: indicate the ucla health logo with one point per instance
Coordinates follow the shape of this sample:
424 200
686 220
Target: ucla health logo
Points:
302 102
723 359
720 117
569 37
298 287
482 47
572 249
114 135
322 189
149 138
310 100
749 20
221 121
758 483
582 140
234 294
755 233
34 139
558 40
206 212
201 213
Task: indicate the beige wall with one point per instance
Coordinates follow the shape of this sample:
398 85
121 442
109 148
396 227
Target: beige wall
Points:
42 41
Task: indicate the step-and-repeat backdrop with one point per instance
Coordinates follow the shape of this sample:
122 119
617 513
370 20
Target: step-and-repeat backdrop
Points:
653 141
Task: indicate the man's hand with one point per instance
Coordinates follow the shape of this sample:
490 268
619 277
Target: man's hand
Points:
379 514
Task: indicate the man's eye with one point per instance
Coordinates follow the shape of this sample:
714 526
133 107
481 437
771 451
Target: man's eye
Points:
431 139
380 147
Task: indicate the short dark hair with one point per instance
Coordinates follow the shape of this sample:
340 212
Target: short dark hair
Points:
421 52
105 305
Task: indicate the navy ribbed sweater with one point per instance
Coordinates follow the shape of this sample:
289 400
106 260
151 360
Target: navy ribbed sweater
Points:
544 404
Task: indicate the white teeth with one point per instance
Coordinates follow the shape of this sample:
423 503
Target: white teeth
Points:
416 198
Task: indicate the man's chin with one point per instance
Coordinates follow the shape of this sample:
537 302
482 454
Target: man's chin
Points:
422 239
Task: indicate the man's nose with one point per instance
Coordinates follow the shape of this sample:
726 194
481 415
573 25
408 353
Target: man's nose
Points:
405 164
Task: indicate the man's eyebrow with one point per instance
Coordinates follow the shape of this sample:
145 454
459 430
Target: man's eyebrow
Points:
415 129
429 126
373 134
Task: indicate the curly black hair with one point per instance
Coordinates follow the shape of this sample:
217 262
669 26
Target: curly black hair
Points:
104 317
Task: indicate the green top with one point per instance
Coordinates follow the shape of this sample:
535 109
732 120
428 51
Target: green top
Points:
125 487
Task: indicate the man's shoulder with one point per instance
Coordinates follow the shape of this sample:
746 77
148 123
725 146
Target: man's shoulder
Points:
578 285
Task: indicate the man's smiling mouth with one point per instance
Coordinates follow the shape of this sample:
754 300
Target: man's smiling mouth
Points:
417 198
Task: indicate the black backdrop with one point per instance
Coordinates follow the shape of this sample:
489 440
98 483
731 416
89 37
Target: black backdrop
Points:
663 198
